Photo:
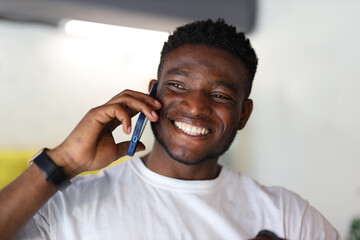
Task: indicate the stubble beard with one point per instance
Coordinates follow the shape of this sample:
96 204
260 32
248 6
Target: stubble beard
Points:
184 158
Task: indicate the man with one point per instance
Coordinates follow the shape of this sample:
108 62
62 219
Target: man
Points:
178 190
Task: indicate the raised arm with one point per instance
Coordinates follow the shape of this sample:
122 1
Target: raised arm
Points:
90 146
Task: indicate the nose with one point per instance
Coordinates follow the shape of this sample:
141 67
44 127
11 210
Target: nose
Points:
196 103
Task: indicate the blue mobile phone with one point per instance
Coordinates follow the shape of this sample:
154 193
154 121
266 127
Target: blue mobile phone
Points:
140 126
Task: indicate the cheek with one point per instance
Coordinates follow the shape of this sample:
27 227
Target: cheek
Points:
167 99
169 105
230 119
161 94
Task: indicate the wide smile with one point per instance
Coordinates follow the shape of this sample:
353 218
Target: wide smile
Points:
191 129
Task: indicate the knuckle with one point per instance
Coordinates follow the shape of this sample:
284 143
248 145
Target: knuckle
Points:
126 92
93 110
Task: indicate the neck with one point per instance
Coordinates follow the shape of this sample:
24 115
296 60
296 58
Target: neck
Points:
161 162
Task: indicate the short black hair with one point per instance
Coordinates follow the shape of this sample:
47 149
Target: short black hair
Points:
216 34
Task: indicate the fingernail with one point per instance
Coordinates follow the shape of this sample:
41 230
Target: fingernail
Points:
154 114
128 130
157 102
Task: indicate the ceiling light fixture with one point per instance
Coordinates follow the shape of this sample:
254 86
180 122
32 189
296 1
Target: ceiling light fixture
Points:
110 32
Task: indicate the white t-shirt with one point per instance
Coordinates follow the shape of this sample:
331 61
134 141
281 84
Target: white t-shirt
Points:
128 201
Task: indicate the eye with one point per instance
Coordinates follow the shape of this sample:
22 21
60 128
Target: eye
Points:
221 98
177 85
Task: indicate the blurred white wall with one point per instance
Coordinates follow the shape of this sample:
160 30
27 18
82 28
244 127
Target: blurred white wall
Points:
303 133
49 79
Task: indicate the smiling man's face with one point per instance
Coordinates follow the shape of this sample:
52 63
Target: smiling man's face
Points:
202 94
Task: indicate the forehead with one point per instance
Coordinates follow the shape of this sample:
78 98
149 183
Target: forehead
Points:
215 63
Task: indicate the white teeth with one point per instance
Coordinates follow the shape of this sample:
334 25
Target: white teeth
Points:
190 129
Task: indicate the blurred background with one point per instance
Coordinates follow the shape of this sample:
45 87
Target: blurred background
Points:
303 133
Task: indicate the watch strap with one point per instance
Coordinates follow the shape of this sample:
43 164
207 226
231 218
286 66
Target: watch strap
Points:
53 173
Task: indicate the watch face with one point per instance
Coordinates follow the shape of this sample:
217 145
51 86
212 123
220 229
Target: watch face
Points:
36 155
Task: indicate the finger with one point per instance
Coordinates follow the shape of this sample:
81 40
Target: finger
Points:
123 146
127 97
122 108
134 94
108 117
134 105
110 127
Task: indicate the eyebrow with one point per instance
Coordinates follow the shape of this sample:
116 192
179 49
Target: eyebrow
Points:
177 71
230 86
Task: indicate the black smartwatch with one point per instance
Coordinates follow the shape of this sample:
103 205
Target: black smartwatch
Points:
53 174
269 235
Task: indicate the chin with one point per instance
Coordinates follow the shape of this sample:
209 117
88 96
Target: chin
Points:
184 158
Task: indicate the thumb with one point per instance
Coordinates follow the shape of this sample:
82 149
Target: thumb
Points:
123 146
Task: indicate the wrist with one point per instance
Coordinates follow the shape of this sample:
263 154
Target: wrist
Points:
63 160
52 172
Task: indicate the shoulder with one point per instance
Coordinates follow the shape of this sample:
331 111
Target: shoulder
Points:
246 184
267 199
299 219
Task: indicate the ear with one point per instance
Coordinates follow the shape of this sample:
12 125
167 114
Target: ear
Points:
247 108
151 83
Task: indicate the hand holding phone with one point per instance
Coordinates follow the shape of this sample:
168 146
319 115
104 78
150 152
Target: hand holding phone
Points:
139 127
